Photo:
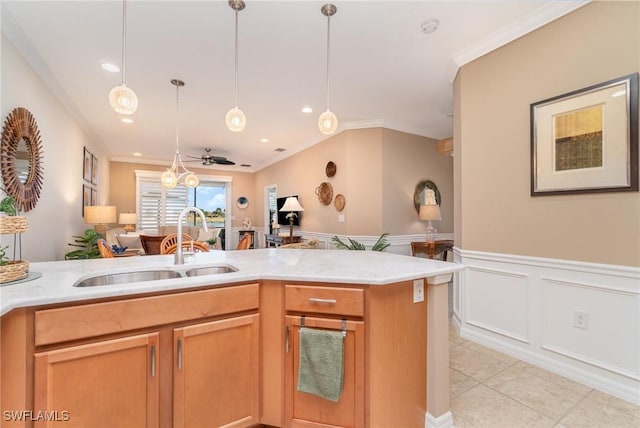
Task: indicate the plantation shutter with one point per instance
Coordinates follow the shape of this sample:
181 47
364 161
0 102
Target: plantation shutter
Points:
158 206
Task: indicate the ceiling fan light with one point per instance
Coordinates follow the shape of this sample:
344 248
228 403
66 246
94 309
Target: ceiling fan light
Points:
123 100
235 120
191 180
328 122
169 179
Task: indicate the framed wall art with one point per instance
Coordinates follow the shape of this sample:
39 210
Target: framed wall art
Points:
86 197
94 170
86 167
586 141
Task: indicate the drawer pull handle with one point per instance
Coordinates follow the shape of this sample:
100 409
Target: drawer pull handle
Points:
179 354
327 301
153 360
286 340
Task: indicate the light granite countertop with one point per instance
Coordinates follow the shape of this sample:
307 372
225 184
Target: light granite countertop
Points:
335 266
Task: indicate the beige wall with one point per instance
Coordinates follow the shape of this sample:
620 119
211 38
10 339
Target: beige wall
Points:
496 213
123 185
377 170
407 160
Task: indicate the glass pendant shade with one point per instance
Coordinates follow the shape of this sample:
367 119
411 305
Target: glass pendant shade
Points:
235 120
328 122
169 179
123 100
191 180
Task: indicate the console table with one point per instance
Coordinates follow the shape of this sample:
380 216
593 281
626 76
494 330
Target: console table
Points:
432 249
277 240
247 232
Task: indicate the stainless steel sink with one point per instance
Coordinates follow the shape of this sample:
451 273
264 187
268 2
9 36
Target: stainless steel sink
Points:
210 270
126 277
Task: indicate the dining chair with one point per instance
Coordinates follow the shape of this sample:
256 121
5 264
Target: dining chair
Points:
245 242
105 250
172 239
151 243
198 247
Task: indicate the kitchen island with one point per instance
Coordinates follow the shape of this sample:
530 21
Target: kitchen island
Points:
51 330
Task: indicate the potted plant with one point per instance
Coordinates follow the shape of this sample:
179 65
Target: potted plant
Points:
380 245
8 207
87 244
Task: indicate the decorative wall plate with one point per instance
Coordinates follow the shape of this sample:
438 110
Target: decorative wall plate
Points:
21 158
242 202
330 169
339 202
325 193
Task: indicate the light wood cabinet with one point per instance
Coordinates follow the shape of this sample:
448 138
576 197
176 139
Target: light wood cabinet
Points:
110 383
308 410
216 373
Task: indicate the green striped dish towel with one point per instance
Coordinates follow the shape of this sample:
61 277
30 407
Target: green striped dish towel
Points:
320 371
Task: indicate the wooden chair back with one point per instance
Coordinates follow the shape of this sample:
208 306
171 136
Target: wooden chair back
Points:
151 243
245 242
105 249
172 239
198 247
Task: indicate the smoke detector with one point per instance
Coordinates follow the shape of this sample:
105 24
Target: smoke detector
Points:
430 26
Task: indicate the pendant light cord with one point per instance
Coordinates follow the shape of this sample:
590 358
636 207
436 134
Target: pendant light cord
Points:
236 103
328 51
124 40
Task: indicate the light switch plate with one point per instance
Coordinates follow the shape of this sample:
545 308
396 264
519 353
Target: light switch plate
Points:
340 218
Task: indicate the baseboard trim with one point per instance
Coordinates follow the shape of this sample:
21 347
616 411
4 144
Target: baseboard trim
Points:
443 421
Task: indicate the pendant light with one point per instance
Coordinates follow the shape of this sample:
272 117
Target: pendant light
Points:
235 118
172 176
328 122
122 99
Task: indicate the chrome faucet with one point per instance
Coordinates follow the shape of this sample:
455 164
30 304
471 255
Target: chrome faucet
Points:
179 256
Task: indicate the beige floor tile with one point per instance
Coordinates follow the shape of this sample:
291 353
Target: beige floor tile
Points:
616 403
459 383
490 352
546 397
552 377
592 413
483 407
476 365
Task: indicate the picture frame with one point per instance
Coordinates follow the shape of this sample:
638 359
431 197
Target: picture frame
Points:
87 164
94 196
94 170
586 141
86 197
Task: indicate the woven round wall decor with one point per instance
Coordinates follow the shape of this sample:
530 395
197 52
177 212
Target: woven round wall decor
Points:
339 202
325 193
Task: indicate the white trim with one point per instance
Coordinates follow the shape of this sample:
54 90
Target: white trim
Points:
550 11
589 357
443 421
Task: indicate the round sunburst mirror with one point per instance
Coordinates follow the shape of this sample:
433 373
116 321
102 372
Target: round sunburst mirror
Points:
21 158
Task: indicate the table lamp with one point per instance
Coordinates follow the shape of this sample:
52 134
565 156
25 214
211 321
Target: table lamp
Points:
292 206
129 221
428 212
100 216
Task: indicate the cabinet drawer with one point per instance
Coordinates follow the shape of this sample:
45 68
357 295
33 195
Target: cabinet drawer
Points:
324 300
96 319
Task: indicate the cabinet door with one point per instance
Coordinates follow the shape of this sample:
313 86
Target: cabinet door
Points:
216 373
308 410
112 383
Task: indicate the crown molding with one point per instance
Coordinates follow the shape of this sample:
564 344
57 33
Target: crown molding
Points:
549 12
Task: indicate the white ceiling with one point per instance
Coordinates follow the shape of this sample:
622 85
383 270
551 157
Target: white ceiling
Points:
384 70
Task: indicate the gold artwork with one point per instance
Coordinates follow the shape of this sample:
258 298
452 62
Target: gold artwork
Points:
578 139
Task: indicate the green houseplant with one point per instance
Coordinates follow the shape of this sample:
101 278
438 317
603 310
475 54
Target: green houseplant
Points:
87 244
380 245
7 205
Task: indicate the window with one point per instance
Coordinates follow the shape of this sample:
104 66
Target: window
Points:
158 206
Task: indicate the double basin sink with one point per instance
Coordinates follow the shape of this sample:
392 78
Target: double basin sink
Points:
151 275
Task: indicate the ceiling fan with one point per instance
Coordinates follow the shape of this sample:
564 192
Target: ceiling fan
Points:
208 159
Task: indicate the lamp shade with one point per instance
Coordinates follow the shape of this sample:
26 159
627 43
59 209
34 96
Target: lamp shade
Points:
99 214
128 218
123 100
291 204
430 212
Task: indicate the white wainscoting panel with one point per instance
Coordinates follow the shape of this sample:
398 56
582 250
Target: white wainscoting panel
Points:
525 307
509 291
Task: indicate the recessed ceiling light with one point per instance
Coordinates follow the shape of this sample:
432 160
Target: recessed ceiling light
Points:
264 140
138 154
110 67
126 120
307 110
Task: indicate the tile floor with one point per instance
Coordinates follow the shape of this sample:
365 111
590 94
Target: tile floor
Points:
493 390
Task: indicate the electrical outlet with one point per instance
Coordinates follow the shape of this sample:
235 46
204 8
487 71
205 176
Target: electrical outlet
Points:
418 290
581 320
340 218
